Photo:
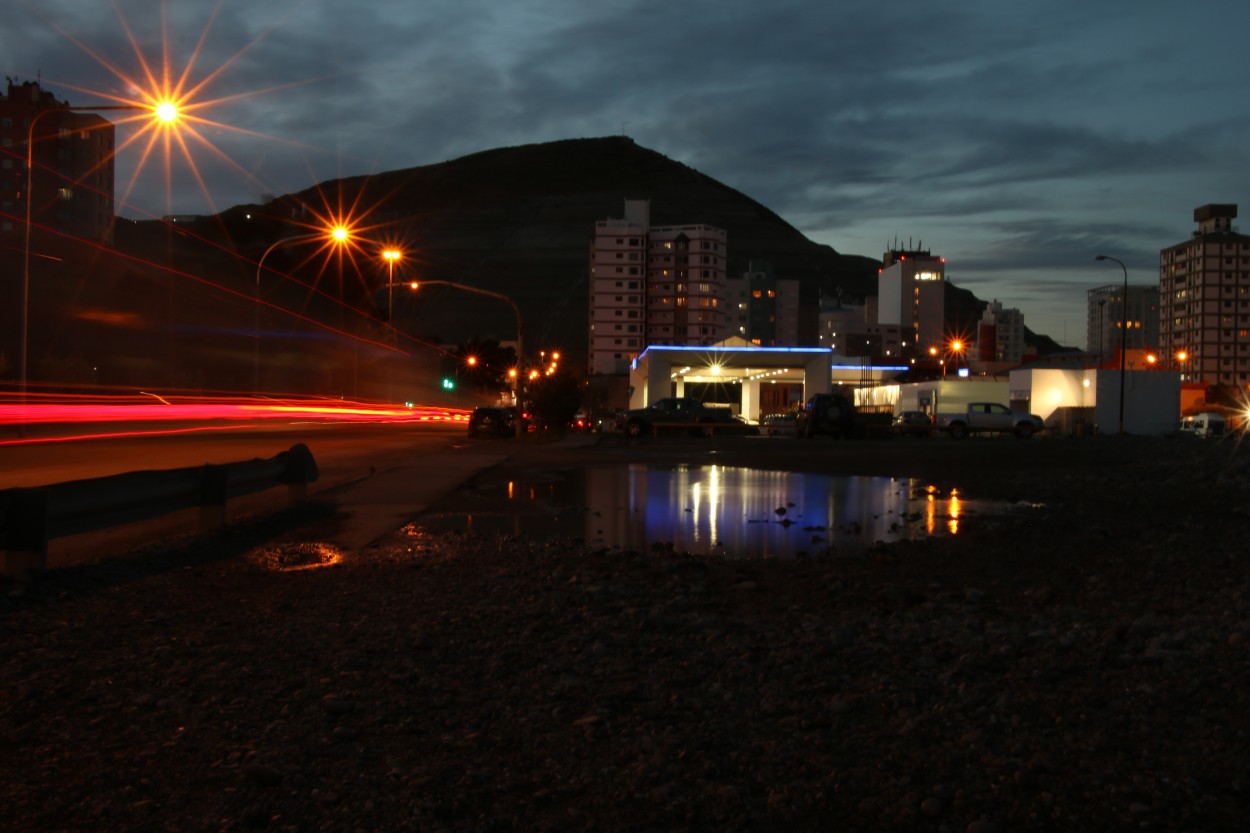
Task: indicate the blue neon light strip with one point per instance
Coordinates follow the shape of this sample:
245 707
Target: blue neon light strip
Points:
688 348
868 366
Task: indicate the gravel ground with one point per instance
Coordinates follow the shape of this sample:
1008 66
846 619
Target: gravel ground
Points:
1085 667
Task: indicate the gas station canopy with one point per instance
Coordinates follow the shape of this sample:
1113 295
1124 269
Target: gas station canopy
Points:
657 368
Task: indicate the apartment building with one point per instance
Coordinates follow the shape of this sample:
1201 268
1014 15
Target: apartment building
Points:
1204 300
653 285
71 175
911 291
762 308
1000 334
1106 315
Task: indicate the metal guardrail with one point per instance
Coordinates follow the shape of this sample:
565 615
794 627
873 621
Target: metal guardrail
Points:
30 518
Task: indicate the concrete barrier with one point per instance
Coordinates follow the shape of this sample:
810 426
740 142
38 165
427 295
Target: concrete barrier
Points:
30 518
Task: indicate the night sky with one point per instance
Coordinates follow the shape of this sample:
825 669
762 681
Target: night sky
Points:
1016 140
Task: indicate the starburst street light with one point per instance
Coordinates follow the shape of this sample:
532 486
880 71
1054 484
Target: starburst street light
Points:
391 255
333 237
165 112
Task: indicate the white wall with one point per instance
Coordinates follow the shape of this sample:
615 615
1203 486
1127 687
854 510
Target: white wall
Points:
1152 402
953 395
1052 389
1152 398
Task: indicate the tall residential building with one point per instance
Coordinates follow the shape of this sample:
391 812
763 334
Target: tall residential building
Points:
1204 300
662 285
761 308
72 172
1000 334
911 292
1105 316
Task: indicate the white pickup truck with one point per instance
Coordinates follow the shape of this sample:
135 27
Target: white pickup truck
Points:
989 418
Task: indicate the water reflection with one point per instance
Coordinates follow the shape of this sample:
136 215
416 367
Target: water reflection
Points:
707 509
933 504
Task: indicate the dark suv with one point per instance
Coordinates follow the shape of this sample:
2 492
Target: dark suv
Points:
826 413
494 421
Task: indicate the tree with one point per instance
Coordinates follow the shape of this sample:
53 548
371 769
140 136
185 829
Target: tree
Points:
554 399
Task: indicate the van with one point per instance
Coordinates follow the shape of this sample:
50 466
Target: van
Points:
1203 425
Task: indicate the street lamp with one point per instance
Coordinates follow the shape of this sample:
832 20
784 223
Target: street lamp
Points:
166 112
1123 331
336 236
516 310
390 255
1102 330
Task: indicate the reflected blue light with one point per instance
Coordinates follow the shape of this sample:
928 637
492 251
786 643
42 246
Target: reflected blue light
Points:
717 510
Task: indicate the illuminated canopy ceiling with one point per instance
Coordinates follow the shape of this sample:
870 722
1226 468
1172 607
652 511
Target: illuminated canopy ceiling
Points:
742 363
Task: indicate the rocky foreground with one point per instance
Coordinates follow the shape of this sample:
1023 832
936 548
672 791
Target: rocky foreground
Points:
1085 667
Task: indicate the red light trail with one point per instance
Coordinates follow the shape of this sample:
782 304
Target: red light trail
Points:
171 414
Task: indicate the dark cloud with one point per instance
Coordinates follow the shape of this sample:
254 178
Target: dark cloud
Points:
1014 140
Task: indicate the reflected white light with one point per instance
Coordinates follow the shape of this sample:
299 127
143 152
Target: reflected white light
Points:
714 499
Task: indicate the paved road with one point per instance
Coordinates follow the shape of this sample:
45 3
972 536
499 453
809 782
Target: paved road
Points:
343 451
378 476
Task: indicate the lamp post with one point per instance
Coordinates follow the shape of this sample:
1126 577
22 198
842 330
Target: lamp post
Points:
516 384
1102 330
391 255
336 235
1123 331
165 112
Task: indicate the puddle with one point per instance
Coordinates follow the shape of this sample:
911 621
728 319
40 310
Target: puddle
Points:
287 558
708 510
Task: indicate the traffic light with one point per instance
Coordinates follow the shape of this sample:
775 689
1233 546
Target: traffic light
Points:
449 383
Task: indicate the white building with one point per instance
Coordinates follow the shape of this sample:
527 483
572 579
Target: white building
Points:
1063 397
1204 300
653 285
618 274
911 292
1151 398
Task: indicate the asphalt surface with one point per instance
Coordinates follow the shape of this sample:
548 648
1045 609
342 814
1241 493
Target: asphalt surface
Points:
370 498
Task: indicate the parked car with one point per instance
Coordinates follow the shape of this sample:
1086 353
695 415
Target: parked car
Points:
495 421
680 412
1203 425
826 413
912 423
608 421
780 425
742 426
